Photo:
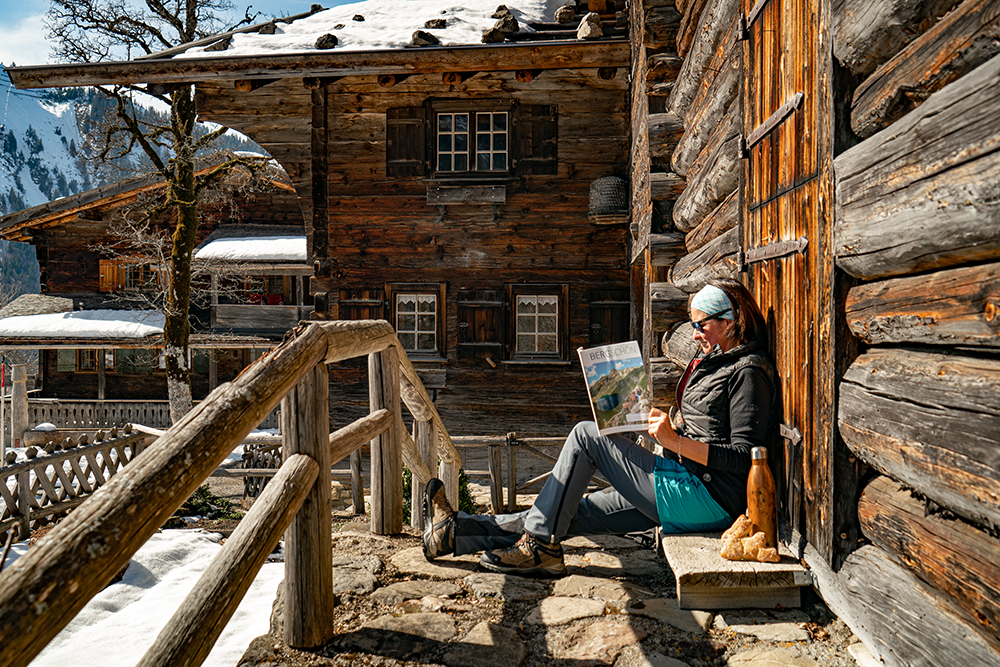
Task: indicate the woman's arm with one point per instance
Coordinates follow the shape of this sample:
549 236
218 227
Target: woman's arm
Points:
661 430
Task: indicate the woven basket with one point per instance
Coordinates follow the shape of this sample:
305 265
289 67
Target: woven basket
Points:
609 201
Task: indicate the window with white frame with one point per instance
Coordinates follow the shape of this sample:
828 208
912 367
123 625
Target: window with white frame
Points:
472 141
417 322
537 324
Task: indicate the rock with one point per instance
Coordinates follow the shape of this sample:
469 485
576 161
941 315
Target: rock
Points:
487 645
772 657
633 656
565 14
220 45
508 588
412 562
400 637
414 590
701 649
601 542
599 563
421 38
436 24
268 29
500 12
598 643
339 26
665 610
327 41
358 17
493 36
559 611
354 575
600 589
773 632
507 24
590 27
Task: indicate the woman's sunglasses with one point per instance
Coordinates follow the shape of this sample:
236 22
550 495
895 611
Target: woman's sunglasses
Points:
699 325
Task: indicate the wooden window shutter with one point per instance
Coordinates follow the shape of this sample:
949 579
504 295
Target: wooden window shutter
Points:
536 138
362 304
405 142
112 275
480 324
609 317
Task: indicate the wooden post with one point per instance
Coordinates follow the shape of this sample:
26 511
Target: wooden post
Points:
24 500
511 472
101 379
387 449
19 404
213 369
448 472
496 479
425 437
305 428
357 483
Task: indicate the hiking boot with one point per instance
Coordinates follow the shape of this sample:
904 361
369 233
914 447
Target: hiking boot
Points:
439 522
527 557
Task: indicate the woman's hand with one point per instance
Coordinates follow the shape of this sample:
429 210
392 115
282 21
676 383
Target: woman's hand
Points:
661 430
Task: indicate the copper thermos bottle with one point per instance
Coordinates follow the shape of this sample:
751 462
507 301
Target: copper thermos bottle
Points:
761 506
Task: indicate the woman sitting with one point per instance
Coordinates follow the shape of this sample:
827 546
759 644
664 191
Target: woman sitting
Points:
726 400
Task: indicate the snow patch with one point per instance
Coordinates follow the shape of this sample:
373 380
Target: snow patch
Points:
85 324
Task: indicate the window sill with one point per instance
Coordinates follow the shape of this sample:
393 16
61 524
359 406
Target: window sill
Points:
537 362
426 359
505 178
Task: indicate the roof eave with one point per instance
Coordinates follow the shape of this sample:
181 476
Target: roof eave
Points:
569 54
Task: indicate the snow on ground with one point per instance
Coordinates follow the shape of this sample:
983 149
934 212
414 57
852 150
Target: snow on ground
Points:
387 24
85 324
286 248
121 622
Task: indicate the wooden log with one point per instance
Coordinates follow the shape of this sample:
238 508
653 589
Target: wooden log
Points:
667 305
194 628
665 376
426 441
716 259
420 405
689 25
357 483
411 457
511 473
957 44
665 186
305 429
449 474
345 441
712 107
386 451
922 193
496 479
665 249
710 186
725 217
679 345
951 307
931 421
948 554
909 623
867 33
665 130
661 24
662 68
95 541
714 33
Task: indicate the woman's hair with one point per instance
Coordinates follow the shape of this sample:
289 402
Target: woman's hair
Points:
748 322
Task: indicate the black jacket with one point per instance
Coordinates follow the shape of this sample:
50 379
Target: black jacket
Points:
729 402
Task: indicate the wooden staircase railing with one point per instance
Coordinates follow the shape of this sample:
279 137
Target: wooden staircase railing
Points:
44 589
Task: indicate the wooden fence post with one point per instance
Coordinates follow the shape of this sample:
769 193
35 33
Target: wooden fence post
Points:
425 435
305 429
24 500
18 403
357 483
496 479
387 449
511 472
449 472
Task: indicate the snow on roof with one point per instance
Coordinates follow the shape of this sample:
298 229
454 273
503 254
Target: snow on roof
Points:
85 324
387 24
284 248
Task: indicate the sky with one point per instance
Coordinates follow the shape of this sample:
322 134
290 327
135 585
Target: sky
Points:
22 37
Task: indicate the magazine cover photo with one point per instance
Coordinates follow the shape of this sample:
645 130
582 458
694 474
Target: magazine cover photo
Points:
618 386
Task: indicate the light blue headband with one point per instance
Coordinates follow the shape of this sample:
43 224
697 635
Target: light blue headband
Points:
712 301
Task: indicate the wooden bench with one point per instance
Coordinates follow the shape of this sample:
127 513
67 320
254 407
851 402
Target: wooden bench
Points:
706 580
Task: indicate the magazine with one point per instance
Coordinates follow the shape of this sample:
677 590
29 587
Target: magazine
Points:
618 386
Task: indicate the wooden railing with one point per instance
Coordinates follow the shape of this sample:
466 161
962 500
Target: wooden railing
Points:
77 414
62 477
44 589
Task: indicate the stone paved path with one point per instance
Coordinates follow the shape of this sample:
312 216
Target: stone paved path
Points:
615 606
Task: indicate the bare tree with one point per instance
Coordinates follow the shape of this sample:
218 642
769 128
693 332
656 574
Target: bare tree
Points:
98 30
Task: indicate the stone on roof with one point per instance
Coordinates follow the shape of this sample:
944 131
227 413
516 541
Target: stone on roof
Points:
36 304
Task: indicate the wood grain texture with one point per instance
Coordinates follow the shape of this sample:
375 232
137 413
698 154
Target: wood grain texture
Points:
716 259
708 111
888 399
714 181
961 41
923 193
668 306
950 307
713 35
386 451
724 218
948 554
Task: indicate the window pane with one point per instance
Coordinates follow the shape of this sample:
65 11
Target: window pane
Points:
408 341
483 142
427 303
444 163
461 162
406 322
461 142
526 304
547 323
526 343
461 122
525 323
444 122
499 162
444 142
426 323
548 304
546 343
483 122
500 142
483 162
406 303
426 342
500 122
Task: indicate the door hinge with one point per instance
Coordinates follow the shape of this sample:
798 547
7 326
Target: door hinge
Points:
771 251
790 433
783 112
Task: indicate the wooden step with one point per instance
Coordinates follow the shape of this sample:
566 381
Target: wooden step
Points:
706 580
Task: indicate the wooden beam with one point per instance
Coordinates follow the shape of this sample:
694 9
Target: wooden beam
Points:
709 186
478 58
712 42
250 85
665 130
689 25
957 44
314 82
526 75
390 80
455 78
607 73
660 24
668 306
922 194
931 421
713 107
666 249
725 217
716 259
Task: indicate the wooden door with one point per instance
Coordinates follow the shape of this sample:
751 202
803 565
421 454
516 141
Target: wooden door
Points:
786 236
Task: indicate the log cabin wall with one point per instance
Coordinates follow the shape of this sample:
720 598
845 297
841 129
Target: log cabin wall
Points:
397 225
912 313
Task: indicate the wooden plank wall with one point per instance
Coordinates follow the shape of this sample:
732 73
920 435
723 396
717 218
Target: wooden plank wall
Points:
382 230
